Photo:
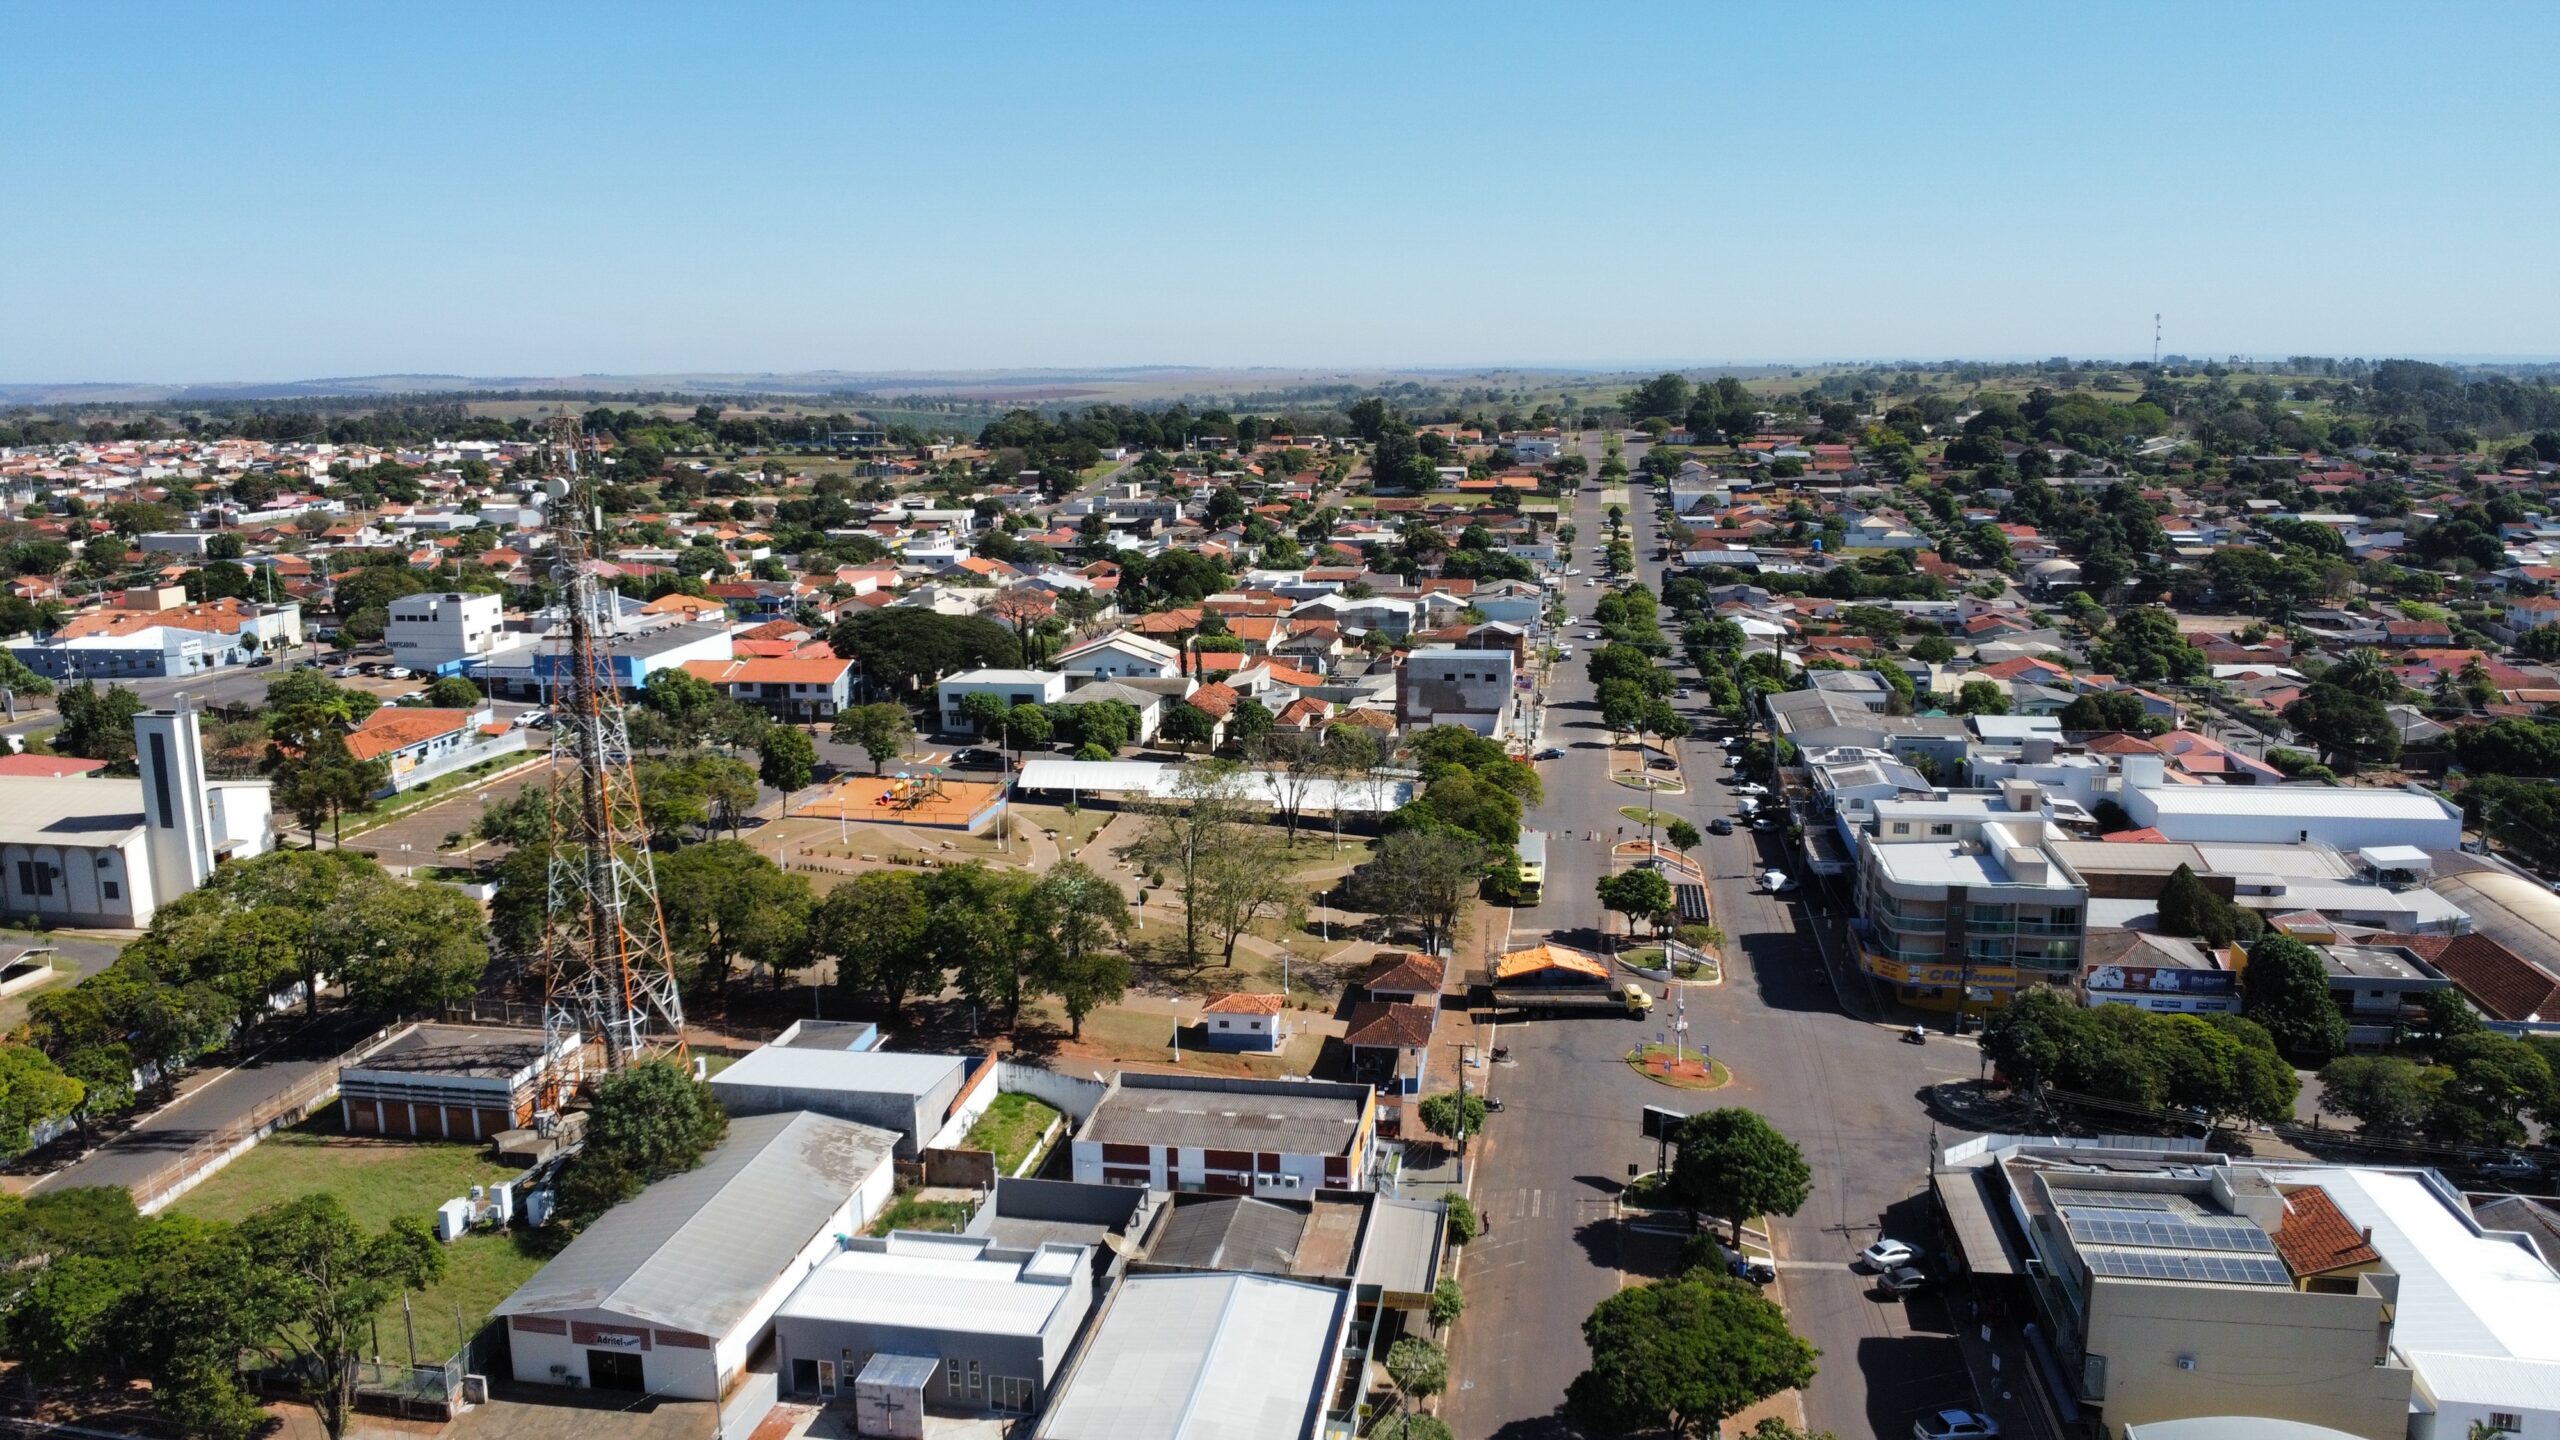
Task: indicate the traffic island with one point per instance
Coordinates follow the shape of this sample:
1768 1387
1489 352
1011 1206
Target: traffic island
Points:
1688 1070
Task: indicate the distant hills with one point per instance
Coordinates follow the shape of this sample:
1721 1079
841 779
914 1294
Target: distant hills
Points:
990 386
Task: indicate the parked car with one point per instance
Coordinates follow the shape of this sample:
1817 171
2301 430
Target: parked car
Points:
1777 882
1903 1281
1955 1425
2512 1166
1720 826
975 758
257 661
396 672
1750 787
1758 1269
1764 822
1886 1255
348 672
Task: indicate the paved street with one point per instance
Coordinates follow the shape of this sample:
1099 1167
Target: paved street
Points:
1846 1090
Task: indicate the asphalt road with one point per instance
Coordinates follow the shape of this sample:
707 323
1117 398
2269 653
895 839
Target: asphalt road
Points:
212 1105
1845 1089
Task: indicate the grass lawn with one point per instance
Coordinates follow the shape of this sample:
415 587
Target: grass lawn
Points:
1074 831
376 1180
906 1212
1147 1036
1010 1128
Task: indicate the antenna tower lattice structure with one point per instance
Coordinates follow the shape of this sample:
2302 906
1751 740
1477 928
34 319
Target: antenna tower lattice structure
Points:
610 974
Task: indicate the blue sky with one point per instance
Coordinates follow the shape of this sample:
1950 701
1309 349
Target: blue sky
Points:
270 191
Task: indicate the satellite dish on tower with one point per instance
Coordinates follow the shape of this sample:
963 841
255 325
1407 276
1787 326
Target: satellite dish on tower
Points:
555 487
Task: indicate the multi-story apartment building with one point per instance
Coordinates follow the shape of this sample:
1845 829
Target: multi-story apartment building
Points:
1965 896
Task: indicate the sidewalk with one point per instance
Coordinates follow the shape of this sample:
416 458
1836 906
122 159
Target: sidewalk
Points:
2003 1375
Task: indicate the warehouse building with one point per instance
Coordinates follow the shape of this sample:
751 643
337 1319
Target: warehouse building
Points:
671 1291
915 1097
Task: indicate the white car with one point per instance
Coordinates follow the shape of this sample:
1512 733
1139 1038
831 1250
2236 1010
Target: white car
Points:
1955 1425
396 672
1750 787
1779 882
1888 1254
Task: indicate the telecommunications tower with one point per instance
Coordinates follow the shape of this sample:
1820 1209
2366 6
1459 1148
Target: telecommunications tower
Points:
609 974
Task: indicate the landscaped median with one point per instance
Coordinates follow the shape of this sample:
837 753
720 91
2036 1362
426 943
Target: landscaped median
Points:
1686 1069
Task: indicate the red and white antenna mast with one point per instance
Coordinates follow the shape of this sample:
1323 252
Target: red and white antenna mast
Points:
610 972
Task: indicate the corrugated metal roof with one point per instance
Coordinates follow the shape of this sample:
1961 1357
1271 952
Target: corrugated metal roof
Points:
1230 1233
867 1072
693 1251
1203 1357
1401 1253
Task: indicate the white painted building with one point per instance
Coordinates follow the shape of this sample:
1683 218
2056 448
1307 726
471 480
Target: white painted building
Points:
106 852
427 633
2342 817
1192 1132
1014 687
671 1291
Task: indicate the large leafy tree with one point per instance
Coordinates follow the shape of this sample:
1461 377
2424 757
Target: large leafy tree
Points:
787 759
1074 921
2388 1096
97 724
2286 989
726 902
32 1089
2347 727
2493 1084
1680 1356
1636 894
1425 875
874 927
1733 1164
324 1280
903 648
882 730
648 1122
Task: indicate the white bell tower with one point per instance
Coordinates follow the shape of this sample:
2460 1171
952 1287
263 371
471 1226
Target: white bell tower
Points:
177 815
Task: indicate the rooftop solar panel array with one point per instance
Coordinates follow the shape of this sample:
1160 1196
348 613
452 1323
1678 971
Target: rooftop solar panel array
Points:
2099 1227
2181 1265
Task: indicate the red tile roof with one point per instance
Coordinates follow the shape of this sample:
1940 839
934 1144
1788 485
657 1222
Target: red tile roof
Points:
1215 698
397 727
1242 1003
1406 972
47 767
2316 1237
1389 1023
2505 985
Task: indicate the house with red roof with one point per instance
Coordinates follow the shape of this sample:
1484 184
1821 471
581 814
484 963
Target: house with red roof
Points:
417 743
1242 1020
792 687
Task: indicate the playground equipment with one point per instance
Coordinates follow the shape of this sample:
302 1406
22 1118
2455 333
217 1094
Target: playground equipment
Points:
908 789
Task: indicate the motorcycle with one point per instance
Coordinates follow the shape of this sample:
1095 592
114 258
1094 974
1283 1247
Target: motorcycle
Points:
1915 1036
1501 1052
1493 1103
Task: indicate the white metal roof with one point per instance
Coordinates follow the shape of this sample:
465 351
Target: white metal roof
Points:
869 1072
1202 1357
939 1282
2361 802
1153 778
2467 1294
